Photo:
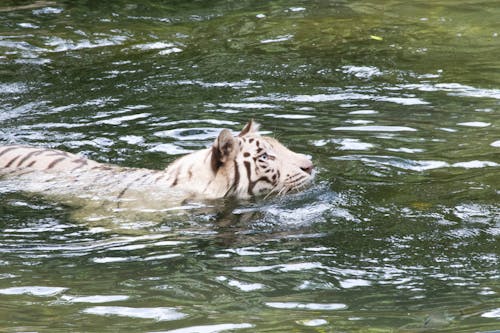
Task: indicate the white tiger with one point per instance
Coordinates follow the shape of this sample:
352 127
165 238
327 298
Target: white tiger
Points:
234 166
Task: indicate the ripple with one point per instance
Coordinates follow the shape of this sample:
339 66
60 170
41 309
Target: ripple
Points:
184 134
414 165
312 322
296 9
225 84
361 72
474 164
38 291
197 121
243 286
406 150
475 213
346 144
375 128
47 11
13 88
299 215
359 121
132 139
249 105
364 112
28 25
62 45
474 124
495 144
209 328
158 314
353 283
282 267
278 39
495 313
307 306
164 47
289 116
94 298
455 89
120 120
340 96
169 149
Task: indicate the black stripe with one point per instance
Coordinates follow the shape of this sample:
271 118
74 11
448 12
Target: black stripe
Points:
122 193
7 150
83 162
176 180
236 181
25 158
158 178
17 172
12 161
248 167
54 162
251 184
236 175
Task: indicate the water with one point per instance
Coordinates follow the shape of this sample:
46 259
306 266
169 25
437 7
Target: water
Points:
397 103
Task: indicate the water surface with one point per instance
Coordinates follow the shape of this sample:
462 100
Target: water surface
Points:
396 102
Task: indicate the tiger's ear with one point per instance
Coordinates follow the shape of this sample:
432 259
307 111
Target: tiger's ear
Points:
250 127
224 149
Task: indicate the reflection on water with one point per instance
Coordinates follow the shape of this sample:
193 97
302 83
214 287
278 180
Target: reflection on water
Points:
396 104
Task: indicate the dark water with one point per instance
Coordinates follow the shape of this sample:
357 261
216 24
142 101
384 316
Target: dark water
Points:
397 102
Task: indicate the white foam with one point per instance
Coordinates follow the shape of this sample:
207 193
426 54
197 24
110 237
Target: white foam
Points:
120 120
353 144
361 72
243 286
474 164
282 268
209 328
495 313
47 10
352 283
307 306
33 290
159 314
62 45
154 46
28 25
278 39
475 124
495 144
375 128
312 322
363 112
132 139
406 150
289 116
94 298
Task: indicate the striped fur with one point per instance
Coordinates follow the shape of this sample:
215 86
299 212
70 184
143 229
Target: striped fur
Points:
234 166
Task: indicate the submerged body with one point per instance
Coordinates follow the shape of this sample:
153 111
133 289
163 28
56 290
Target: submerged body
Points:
242 166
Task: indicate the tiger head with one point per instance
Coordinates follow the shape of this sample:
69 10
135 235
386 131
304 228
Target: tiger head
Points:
255 165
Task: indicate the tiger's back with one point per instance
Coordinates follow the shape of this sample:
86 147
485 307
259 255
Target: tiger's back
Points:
16 157
240 166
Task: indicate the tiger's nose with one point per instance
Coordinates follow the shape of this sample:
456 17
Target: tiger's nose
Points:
307 167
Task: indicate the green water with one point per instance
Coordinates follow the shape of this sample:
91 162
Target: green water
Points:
397 103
